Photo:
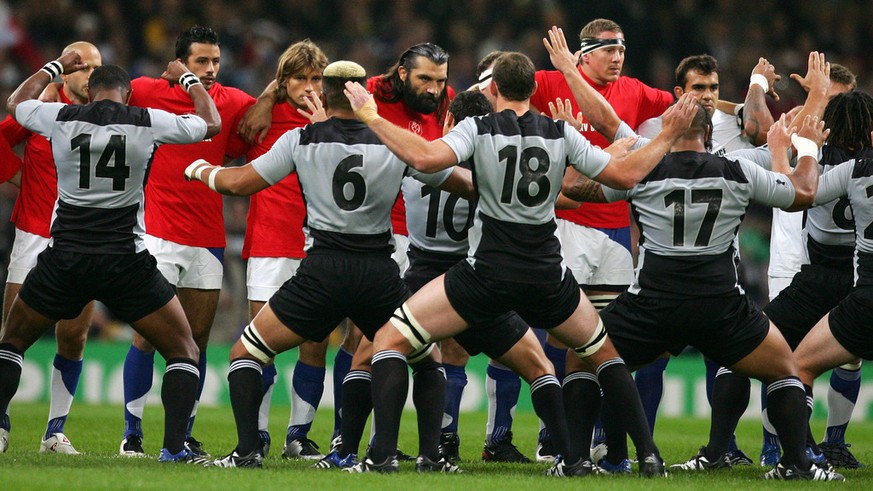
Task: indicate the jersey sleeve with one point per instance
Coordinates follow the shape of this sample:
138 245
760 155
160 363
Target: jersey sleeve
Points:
625 131
236 145
653 102
615 194
768 188
39 117
649 128
462 139
585 157
172 128
759 155
278 162
834 183
433 180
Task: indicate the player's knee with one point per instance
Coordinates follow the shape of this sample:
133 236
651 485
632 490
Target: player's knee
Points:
406 324
254 345
421 356
313 353
597 340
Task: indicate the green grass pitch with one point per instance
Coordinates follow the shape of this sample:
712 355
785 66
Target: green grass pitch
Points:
96 431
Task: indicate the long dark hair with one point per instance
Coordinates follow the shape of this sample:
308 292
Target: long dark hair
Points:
390 87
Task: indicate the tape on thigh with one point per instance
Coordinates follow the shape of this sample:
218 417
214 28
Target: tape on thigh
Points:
255 344
593 344
404 322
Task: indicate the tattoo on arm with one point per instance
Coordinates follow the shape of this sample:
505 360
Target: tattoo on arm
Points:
584 189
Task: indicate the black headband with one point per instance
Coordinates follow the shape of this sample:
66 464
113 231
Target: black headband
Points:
592 44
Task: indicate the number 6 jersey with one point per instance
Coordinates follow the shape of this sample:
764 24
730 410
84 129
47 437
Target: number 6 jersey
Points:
103 152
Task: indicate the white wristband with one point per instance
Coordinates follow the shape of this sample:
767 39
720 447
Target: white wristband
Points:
211 180
805 147
759 80
53 68
195 169
188 80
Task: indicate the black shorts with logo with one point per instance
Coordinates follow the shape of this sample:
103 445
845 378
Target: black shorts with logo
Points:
813 292
493 338
328 287
724 329
63 282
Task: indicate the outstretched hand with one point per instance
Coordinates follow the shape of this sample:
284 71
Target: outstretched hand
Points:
814 129
779 134
677 118
363 103
72 62
621 147
818 73
562 109
562 58
316 112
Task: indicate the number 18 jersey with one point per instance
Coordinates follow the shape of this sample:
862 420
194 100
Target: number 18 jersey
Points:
518 165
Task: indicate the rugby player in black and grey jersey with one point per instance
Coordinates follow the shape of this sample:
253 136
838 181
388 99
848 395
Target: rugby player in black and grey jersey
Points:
686 289
514 260
349 182
102 153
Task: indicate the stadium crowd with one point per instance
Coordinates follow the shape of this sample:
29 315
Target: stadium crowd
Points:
515 260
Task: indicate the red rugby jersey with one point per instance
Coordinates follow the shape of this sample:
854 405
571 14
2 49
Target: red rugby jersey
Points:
274 226
39 178
633 101
181 211
426 125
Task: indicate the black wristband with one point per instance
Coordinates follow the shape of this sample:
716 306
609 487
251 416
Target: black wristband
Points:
188 80
53 68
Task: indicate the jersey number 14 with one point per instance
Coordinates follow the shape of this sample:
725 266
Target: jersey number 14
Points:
112 163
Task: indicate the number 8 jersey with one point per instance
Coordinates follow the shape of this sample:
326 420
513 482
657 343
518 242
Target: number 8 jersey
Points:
518 165
103 152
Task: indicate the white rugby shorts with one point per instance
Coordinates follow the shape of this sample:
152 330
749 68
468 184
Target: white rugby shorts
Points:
265 275
186 266
593 257
25 249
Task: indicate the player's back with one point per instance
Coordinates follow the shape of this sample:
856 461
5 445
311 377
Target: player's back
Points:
349 180
689 209
437 220
854 180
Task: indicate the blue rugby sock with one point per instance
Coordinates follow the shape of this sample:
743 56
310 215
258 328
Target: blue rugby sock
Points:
307 386
842 396
456 380
65 379
503 387
342 363
138 373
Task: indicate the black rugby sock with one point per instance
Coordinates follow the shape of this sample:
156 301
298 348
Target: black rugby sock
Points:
390 386
246 392
548 402
730 397
357 404
616 434
786 405
429 397
581 393
10 375
178 392
619 389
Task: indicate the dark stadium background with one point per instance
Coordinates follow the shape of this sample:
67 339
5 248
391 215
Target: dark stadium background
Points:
139 35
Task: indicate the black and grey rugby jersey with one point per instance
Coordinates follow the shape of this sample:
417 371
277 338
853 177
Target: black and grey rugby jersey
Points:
689 209
518 165
350 181
103 152
854 181
437 221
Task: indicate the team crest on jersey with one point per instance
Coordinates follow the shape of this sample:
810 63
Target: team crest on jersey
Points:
415 127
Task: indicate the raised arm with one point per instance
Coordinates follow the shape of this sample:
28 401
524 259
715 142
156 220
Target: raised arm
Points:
233 181
36 83
757 118
808 140
418 153
778 143
204 106
594 106
625 173
816 82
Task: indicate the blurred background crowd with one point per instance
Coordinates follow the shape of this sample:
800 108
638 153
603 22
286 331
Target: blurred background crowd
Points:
139 35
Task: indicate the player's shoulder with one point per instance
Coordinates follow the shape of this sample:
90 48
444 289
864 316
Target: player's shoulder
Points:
235 96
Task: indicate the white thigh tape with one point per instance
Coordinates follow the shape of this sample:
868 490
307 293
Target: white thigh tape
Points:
410 328
593 344
255 344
